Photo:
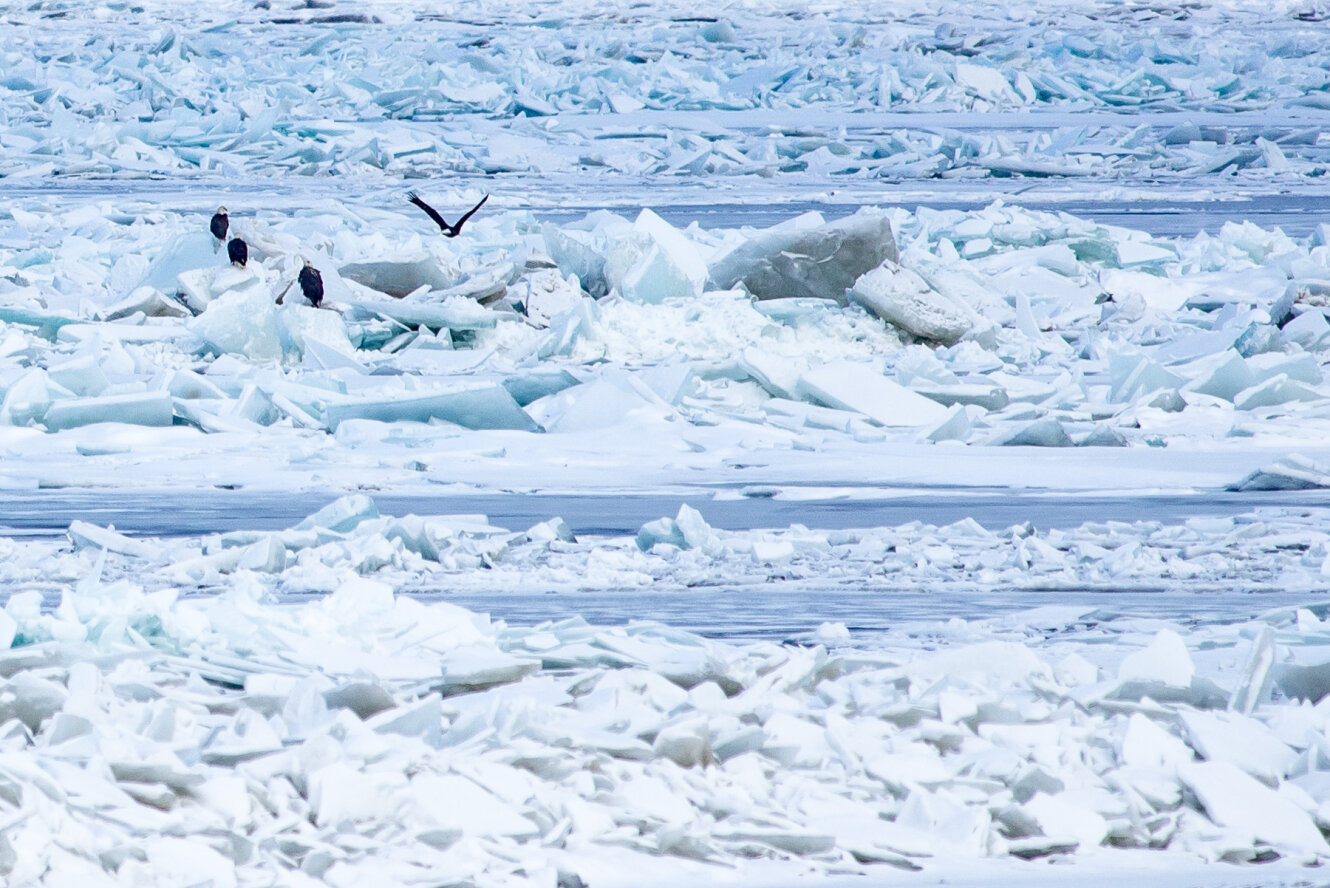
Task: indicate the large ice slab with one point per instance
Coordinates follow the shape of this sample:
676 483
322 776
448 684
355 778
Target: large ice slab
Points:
657 262
1237 801
398 277
184 253
199 287
1266 288
593 405
309 330
805 258
900 296
863 389
472 406
242 322
454 313
145 409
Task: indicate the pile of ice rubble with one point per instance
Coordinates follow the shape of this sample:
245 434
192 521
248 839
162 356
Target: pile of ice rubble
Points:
998 326
148 737
1272 550
238 89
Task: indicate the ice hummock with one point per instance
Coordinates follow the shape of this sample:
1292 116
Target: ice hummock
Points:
1041 335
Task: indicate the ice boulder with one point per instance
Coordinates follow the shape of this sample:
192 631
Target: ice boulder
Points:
91 536
804 258
686 530
1133 375
1308 330
1240 740
1223 376
1265 287
1064 820
1273 392
669 382
342 515
1046 432
848 385
901 297
956 427
188 385
1103 435
398 277
29 397
656 263
1293 472
1148 745
303 324
1300 367
147 301
546 293
531 385
777 374
82 376
579 253
242 322
1309 681
1165 660
200 286
1159 293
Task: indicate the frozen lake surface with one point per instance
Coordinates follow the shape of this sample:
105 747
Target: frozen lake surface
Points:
779 609
1183 214
848 443
167 513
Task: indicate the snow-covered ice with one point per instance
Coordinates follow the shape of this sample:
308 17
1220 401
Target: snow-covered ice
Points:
1041 344
195 689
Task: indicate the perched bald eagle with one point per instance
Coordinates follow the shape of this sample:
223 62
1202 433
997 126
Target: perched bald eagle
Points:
448 230
220 222
311 283
238 251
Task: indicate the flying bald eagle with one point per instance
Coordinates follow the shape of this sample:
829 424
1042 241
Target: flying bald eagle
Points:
448 230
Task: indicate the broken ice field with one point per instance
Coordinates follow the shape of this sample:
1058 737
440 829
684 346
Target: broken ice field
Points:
772 255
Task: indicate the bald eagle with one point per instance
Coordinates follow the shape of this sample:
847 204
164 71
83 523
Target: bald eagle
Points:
448 230
311 283
238 251
218 227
